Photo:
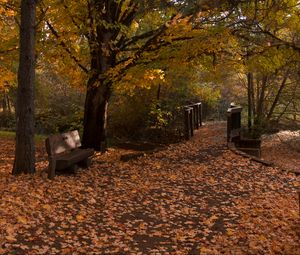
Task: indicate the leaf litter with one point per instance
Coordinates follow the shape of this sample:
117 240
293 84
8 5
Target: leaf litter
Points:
194 197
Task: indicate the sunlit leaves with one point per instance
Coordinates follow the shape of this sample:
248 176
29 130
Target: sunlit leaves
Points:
8 46
140 78
270 60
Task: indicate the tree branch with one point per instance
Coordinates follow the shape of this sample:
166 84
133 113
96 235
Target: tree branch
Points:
65 47
9 50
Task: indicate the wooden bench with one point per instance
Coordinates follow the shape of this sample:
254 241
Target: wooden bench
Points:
64 152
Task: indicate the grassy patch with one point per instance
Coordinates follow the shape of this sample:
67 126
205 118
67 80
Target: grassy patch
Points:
11 134
7 134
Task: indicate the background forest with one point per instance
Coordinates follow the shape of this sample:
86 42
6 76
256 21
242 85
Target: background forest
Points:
166 54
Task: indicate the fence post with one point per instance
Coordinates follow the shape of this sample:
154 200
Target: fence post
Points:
196 115
192 119
200 114
192 113
186 123
233 123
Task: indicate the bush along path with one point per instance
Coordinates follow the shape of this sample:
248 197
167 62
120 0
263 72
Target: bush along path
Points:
195 197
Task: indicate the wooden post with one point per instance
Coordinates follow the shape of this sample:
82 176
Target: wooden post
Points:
196 115
192 121
233 123
200 114
186 123
228 126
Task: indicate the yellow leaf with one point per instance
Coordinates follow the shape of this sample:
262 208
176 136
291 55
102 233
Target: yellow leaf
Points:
157 165
60 232
262 238
13 189
211 221
204 250
214 217
134 177
47 207
22 220
79 217
10 238
229 231
142 226
173 177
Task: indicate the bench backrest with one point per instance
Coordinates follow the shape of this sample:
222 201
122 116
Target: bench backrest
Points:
60 143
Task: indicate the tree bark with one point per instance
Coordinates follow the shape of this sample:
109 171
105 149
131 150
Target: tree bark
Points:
274 104
25 148
4 103
98 93
103 57
8 103
250 102
259 119
95 115
158 92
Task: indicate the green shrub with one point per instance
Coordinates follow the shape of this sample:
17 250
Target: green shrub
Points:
7 121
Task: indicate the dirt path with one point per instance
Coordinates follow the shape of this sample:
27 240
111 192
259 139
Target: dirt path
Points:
194 197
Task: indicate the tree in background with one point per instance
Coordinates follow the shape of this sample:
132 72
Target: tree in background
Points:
25 146
113 36
168 50
269 35
8 56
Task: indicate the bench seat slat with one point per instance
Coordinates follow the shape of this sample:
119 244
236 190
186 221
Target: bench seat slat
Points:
66 160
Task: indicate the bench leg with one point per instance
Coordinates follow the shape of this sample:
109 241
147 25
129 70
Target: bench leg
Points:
85 163
73 169
51 168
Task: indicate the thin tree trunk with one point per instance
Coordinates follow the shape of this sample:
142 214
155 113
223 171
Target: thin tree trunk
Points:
282 85
257 95
25 147
8 103
295 111
260 101
158 92
284 111
253 99
250 103
4 103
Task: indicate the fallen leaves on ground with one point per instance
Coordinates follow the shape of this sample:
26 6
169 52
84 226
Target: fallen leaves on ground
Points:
283 148
194 197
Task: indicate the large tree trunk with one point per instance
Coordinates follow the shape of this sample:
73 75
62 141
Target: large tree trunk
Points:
98 86
25 148
95 116
98 93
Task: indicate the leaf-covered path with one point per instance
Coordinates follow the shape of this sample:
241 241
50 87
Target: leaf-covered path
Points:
195 197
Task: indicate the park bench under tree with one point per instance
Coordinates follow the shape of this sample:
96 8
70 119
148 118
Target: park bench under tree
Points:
65 152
